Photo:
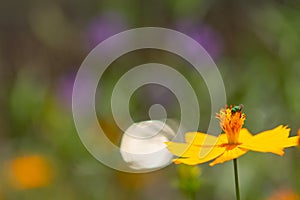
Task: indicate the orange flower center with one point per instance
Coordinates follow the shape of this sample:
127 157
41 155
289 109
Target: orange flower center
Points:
231 121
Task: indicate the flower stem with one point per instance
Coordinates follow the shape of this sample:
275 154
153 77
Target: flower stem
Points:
236 178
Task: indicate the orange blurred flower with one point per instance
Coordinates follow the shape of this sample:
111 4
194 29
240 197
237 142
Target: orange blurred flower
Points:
30 171
284 194
236 141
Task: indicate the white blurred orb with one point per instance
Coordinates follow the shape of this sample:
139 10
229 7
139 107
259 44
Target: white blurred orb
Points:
143 145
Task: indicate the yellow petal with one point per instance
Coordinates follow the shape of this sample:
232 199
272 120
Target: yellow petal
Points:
195 159
273 141
177 149
182 149
222 139
198 138
229 154
245 135
205 141
291 141
198 150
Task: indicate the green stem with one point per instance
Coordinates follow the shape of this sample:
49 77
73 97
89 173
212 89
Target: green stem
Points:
236 178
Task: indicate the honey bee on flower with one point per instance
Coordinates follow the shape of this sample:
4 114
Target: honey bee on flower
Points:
233 143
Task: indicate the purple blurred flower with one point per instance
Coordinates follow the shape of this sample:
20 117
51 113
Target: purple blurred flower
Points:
159 94
65 88
204 35
104 26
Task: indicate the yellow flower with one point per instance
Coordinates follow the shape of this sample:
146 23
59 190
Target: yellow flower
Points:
30 171
200 147
298 137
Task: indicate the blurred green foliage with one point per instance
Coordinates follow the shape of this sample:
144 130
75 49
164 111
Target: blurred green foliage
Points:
44 42
189 180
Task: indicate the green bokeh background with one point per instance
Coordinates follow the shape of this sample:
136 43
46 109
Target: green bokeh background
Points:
43 43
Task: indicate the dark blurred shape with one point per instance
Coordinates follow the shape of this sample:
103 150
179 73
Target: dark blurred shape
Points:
103 26
65 89
204 35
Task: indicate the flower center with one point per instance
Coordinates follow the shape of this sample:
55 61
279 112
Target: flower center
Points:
231 121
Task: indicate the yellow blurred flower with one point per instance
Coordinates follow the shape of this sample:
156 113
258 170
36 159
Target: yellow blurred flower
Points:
30 171
186 171
299 137
236 141
284 194
188 179
134 181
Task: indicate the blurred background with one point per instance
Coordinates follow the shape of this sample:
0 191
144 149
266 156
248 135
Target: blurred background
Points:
255 45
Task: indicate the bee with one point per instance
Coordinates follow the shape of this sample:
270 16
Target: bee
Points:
237 108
